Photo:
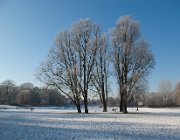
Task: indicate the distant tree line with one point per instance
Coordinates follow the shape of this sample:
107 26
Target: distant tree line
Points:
27 94
165 97
83 58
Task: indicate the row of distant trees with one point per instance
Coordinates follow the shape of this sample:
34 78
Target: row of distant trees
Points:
165 97
83 58
27 94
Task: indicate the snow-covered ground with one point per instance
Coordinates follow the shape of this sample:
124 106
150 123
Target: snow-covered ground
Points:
62 124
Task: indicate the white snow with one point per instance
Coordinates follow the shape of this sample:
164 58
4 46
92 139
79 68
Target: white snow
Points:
65 124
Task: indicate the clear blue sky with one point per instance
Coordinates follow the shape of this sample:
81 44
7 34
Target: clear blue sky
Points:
28 29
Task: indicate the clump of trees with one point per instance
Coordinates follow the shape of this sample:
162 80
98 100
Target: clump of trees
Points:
72 64
78 64
27 94
81 63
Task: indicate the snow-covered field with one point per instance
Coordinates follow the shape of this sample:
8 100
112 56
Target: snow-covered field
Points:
62 124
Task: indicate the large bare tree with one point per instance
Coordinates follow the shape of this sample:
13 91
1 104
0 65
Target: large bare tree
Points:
132 57
70 63
61 68
86 35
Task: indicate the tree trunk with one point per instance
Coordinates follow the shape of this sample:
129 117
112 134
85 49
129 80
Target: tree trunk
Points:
121 100
125 105
125 100
85 82
86 102
121 104
105 107
103 95
137 106
78 105
78 108
104 104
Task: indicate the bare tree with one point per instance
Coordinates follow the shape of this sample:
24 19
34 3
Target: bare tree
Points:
165 90
70 63
86 35
132 57
61 68
101 71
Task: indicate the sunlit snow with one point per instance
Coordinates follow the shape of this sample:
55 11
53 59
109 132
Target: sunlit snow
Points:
62 124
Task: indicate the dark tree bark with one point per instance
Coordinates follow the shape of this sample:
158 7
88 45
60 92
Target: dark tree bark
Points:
78 105
103 96
85 80
121 104
86 102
